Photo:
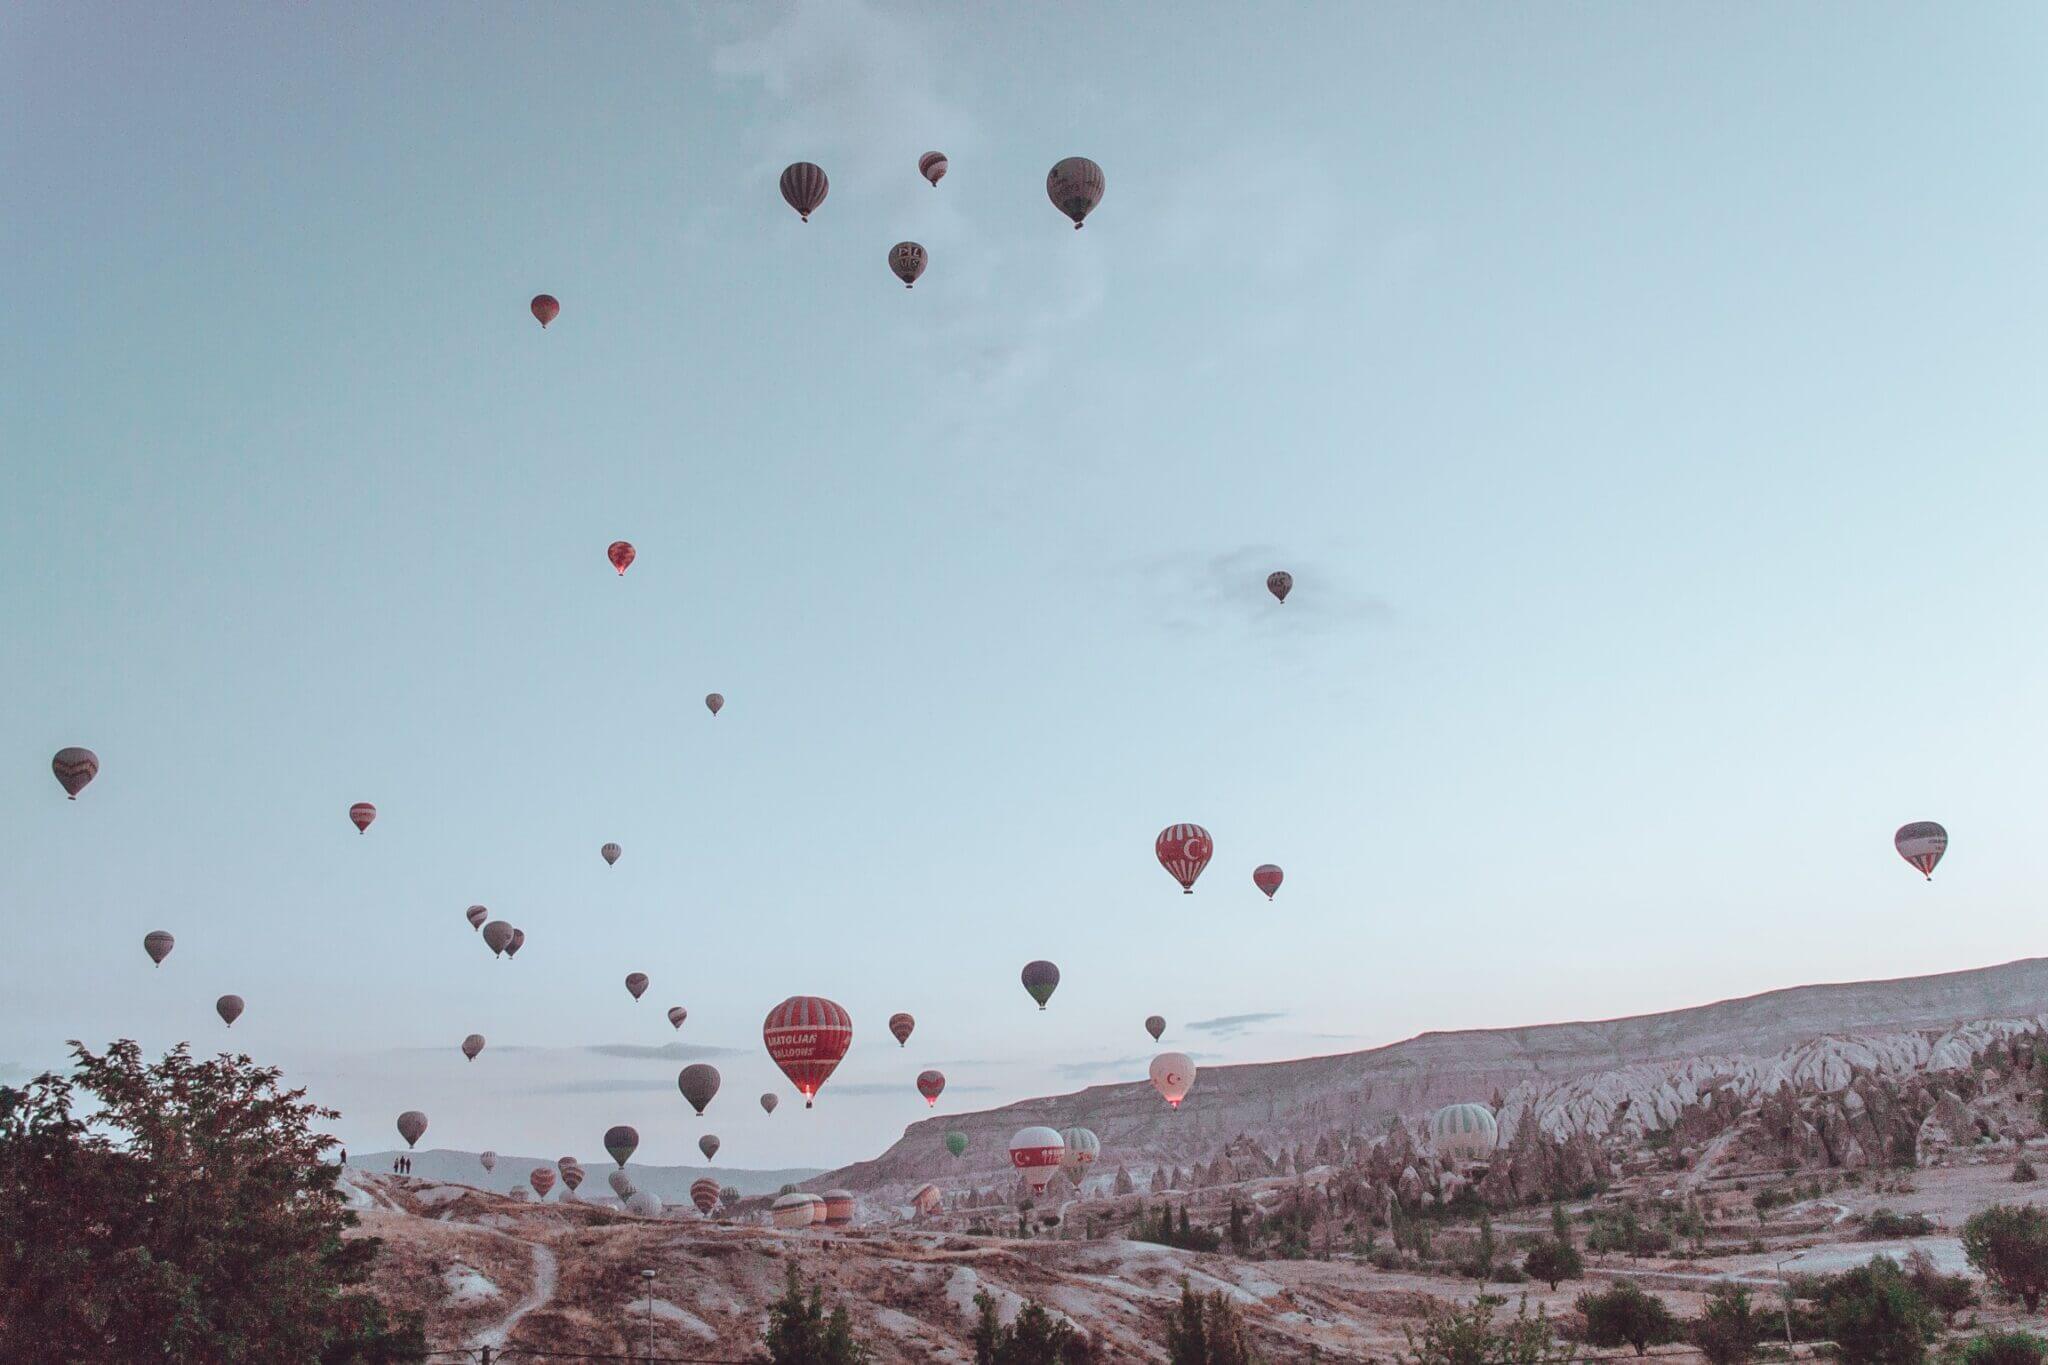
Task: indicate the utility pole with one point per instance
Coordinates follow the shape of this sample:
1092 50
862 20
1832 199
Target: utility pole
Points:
648 1277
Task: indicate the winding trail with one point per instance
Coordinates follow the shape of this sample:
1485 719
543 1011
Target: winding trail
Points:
545 1271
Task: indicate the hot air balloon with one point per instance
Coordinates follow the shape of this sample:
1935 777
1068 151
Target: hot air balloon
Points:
1041 979
797 1210
900 1025
488 1160
621 1141
956 1142
1083 1148
676 1015
714 702
610 853
361 814
1184 850
476 915
907 259
932 166
1036 1151
927 1200
412 1126
621 554
806 1036
1075 187
542 1178
839 1206
74 768
1280 583
158 944
229 1008
636 984
621 1183
645 1203
1921 843
708 1145
1267 878
545 309
1173 1074
496 935
698 1082
804 187
929 1084
769 1099
1155 1025
704 1194
472 1045
565 1164
1463 1133
515 943
572 1176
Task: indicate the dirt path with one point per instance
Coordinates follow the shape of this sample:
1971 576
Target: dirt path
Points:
545 1269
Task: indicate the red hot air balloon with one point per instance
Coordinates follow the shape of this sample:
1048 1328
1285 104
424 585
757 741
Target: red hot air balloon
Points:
1921 843
804 187
620 553
1184 850
497 936
229 1008
636 984
542 1178
900 1026
704 1194
472 1045
476 914
932 166
714 702
907 259
545 309
572 1176
806 1036
676 1015
1267 878
361 814
158 944
412 1126
929 1085
1036 1152
74 768
1280 583
1075 187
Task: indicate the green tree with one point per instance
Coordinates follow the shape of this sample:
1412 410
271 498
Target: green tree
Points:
1205 1329
1875 1316
1552 1261
1727 1329
1625 1315
193 1218
1482 1256
1560 1225
800 1333
1454 1335
1035 1337
2012 1347
2008 1245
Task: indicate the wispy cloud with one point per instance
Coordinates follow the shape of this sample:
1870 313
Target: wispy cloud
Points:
673 1052
1231 1025
615 1085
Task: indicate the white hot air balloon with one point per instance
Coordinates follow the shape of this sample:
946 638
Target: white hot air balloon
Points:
1173 1075
621 1183
1083 1148
1036 1151
1463 1133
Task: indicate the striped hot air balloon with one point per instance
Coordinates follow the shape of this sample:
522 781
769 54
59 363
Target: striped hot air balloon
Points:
621 553
1267 877
476 915
797 1210
704 1193
158 944
545 309
74 768
900 1026
412 1126
931 1084
804 187
1083 1149
636 984
610 853
839 1206
1036 1151
572 1176
676 1015
360 815
1921 843
1075 187
932 166
542 1178
1184 850
488 1160
806 1036
1463 1133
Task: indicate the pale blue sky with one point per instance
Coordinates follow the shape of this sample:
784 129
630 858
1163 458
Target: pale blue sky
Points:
1647 399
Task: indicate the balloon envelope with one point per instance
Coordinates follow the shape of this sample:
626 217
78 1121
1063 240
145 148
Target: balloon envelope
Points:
769 1099
645 1203
636 984
621 554
1036 1151
412 1125
610 853
804 187
1184 850
932 166
900 1026
1173 1074
714 701
515 943
621 1183
158 944
1280 583
698 1082
1267 878
1083 1148
956 1142
908 260
476 915
229 1008
572 1176
497 934
621 1141
1921 843
1041 979
676 1015
488 1160
74 768
545 309
1075 187
806 1035
1155 1025
361 814
1463 1132
472 1045
704 1193
542 1178
930 1084
708 1145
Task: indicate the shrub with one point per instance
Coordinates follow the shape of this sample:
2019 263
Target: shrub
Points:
1882 1222
1875 1316
1206 1330
1467 1336
1948 1295
1625 1315
2008 1244
2012 1347
2023 1171
1726 1330
1553 1261
1035 1337
799 1332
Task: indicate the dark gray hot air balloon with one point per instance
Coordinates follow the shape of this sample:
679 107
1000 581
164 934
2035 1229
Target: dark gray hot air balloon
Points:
610 853
676 1015
699 1082
1075 187
804 188
714 702
636 984
489 1161
1280 583
158 944
515 943
472 1045
907 259
496 935
74 768
1155 1025
708 1145
622 1141
476 915
229 1008
412 1126
1041 979
769 1099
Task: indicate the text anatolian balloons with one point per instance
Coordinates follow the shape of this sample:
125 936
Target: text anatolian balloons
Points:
1184 850
489 1161
1267 878
1075 187
74 768
1155 1025
1036 1152
621 554
1083 1147
932 166
636 984
806 1035
1280 583
708 1145
412 1126
956 1142
1041 979
900 1026
545 309
360 815
769 1099
610 854
699 1083
472 1045
621 1183
908 259
929 1085
622 1141
1173 1074
542 1178
676 1015
804 188
714 702
158 944
476 915
229 1008
1921 843
1463 1133
704 1194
